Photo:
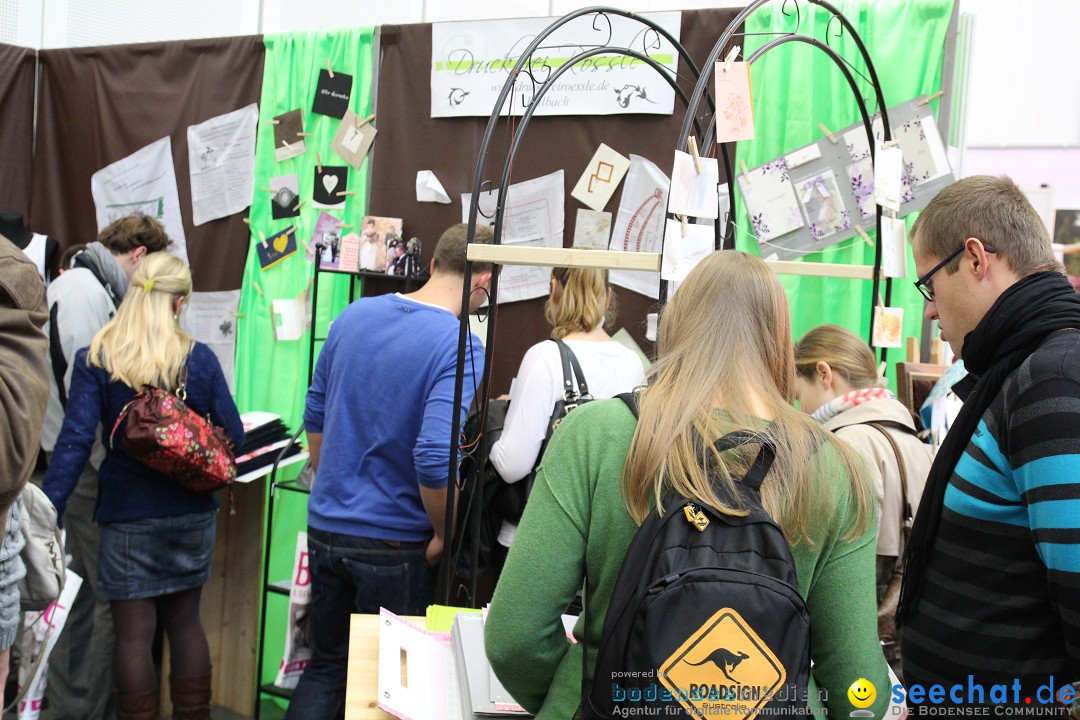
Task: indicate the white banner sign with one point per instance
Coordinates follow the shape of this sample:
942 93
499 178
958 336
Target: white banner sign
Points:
471 61
142 182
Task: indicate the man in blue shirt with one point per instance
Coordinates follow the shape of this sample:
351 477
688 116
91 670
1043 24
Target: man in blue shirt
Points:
379 417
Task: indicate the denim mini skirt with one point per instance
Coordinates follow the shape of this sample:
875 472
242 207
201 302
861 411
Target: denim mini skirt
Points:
155 556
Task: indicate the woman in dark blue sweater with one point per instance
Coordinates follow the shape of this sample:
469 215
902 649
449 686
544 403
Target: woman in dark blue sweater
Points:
156 537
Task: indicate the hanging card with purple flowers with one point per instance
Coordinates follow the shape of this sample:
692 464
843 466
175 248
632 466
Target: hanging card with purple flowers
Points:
823 205
771 202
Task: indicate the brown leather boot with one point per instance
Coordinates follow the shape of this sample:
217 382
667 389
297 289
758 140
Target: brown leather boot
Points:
190 697
143 706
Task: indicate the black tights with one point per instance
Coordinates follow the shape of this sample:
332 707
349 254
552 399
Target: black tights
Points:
136 621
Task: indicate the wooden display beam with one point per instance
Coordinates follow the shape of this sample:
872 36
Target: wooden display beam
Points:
650 262
563 257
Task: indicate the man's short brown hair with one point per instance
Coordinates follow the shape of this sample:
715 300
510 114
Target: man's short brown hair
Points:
994 210
132 231
450 250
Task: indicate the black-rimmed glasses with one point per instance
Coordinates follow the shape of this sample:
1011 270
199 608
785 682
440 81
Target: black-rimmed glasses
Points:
920 284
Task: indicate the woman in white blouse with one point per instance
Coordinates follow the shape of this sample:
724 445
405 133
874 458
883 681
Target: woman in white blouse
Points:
579 306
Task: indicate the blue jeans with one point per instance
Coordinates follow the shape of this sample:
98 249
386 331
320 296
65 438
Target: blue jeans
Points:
352 575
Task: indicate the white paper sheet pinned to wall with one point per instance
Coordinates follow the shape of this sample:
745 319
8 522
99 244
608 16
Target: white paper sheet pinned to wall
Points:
221 159
210 317
144 181
533 216
639 224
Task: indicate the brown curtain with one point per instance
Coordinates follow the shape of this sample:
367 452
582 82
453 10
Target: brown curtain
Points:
17 130
409 140
98 105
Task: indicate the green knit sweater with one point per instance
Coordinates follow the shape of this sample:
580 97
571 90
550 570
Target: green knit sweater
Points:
576 518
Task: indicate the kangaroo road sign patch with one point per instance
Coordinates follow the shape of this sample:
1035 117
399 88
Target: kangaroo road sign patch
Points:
723 668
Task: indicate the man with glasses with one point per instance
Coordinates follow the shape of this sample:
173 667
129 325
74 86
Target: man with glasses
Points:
992 585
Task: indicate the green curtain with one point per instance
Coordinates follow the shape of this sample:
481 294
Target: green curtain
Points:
796 86
271 375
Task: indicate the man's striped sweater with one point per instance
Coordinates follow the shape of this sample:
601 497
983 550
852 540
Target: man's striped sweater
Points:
1000 598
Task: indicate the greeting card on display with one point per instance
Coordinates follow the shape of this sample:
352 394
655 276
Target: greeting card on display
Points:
925 158
682 254
290 318
734 102
693 193
601 177
888 327
861 177
888 172
353 138
325 238
376 234
284 196
350 253
770 201
592 229
639 223
893 247
330 186
858 146
276 248
820 198
332 94
288 135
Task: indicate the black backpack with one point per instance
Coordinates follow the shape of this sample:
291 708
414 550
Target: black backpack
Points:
706 613
498 500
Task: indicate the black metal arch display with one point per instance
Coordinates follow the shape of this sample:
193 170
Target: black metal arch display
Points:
539 88
724 236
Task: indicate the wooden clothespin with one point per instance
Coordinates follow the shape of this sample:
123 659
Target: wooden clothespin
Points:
343 193
891 213
859 229
329 69
890 143
255 284
882 366
880 301
304 134
301 204
732 54
307 248
344 225
691 145
236 314
928 100
832 138
361 123
318 161
262 239
267 188
275 122
683 225
284 142
745 171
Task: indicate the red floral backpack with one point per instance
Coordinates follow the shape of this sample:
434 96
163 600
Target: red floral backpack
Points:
165 434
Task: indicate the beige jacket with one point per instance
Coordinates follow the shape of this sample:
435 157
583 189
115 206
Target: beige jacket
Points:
881 461
24 378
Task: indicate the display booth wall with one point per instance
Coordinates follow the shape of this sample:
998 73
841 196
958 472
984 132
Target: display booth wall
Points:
796 87
410 140
98 105
17 130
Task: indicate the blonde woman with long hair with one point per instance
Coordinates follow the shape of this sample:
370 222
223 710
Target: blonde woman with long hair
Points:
724 363
156 537
578 309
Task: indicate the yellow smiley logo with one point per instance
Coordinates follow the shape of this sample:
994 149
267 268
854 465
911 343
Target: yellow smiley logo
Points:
862 693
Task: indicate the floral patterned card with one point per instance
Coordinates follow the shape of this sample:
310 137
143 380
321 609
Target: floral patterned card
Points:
861 177
770 201
820 198
925 158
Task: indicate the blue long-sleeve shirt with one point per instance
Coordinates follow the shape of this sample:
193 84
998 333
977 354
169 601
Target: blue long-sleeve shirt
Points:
382 396
129 490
